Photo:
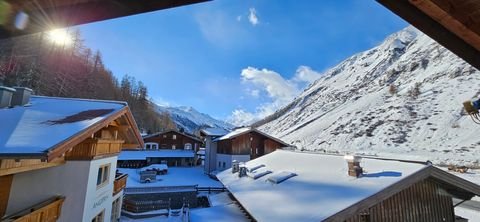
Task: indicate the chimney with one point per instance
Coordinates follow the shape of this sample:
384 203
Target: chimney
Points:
242 170
354 168
6 96
235 166
21 96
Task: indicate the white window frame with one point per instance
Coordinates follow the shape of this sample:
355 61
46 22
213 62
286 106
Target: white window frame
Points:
103 175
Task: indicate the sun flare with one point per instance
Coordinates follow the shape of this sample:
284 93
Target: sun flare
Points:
60 37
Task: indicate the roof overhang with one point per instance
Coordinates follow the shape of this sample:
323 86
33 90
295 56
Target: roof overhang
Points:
131 133
454 185
452 23
48 14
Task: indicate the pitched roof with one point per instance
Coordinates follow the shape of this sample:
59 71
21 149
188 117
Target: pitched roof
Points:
245 130
49 126
322 189
193 137
214 131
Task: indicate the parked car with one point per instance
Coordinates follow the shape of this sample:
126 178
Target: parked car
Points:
160 169
148 176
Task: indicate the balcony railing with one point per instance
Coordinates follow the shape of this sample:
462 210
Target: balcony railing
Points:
47 211
120 183
91 148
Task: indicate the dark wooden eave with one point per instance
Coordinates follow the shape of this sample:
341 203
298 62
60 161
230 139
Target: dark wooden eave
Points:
455 24
48 14
133 135
455 186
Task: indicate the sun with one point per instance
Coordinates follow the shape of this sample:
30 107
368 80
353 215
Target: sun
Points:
60 37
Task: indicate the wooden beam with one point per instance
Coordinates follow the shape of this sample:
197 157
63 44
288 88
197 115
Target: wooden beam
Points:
47 14
43 165
5 186
448 21
435 30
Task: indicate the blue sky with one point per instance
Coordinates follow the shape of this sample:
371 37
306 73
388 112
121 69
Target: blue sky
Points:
238 59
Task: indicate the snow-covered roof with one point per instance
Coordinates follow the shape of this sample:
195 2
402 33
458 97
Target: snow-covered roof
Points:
214 131
244 130
45 122
235 133
320 188
143 154
175 131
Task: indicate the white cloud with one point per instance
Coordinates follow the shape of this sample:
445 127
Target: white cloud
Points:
255 93
239 18
252 17
306 74
273 83
280 91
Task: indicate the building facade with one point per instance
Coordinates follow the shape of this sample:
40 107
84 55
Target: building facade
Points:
244 144
172 139
61 165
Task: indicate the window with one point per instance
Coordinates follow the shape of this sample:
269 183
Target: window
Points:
219 164
147 146
223 164
174 147
174 137
115 210
164 136
188 146
99 217
103 174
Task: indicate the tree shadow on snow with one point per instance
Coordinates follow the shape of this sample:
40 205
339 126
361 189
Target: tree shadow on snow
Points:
383 174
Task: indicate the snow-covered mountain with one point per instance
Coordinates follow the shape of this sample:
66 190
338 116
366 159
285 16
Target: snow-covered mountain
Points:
190 119
402 98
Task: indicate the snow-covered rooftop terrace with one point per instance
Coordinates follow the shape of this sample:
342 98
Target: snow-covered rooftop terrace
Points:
143 154
176 176
48 121
320 188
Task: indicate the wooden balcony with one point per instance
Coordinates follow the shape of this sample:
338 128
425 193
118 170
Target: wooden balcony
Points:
92 148
120 183
47 211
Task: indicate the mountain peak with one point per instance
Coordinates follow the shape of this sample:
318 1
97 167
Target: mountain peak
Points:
352 107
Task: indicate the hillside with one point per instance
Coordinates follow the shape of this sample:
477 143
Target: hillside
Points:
402 98
190 119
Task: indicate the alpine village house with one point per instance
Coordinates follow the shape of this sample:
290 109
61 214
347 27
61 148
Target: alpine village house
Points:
170 147
58 157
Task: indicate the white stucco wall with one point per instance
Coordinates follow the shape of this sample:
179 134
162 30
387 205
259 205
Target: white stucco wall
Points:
100 199
76 180
228 160
210 155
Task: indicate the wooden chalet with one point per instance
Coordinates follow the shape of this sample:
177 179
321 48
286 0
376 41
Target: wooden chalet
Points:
296 186
58 158
248 141
172 139
242 145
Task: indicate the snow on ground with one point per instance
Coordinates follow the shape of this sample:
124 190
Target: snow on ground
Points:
176 176
471 215
229 212
220 199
